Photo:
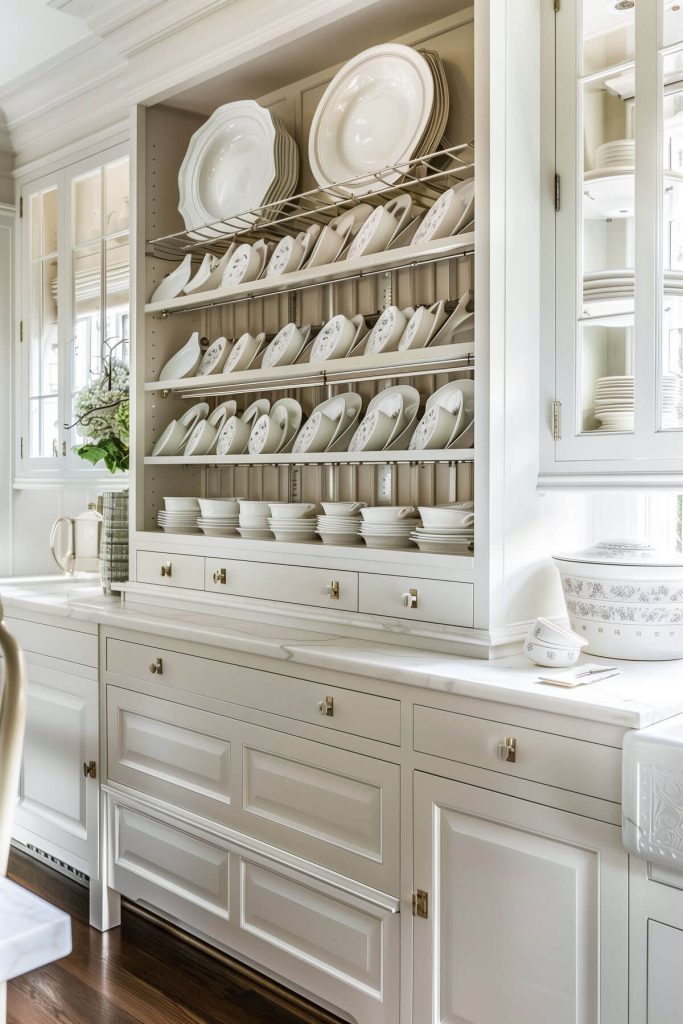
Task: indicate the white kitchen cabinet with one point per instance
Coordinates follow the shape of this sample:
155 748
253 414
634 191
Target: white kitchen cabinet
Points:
664 974
527 911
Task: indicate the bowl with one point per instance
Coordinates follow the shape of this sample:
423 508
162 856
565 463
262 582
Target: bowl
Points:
446 518
217 508
292 510
547 631
387 514
342 508
181 504
550 655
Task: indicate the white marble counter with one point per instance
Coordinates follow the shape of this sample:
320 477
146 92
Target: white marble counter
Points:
645 693
32 932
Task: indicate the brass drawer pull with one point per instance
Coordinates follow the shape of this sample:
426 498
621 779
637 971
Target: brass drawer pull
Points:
507 750
156 667
410 598
333 590
167 568
220 576
326 707
90 769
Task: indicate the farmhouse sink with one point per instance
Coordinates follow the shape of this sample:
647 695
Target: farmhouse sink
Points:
652 794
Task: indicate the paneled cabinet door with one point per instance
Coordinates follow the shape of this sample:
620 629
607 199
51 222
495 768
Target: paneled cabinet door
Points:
57 809
527 916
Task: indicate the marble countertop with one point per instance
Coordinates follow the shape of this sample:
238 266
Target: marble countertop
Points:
32 932
645 692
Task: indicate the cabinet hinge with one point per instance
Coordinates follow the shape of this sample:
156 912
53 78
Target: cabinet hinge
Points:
557 193
420 903
556 5
21 447
557 420
21 207
21 330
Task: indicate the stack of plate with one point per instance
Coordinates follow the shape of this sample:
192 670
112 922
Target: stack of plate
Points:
621 153
386 535
614 402
293 530
253 520
179 516
671 400
392 94
216 526
447 529
242 158
619 284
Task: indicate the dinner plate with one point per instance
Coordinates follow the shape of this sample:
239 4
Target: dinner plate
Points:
373 114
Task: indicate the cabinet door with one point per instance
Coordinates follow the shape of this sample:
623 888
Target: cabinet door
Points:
57 809
664 977
528 911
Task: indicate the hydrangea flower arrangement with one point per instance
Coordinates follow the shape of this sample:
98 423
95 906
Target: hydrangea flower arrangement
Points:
102 417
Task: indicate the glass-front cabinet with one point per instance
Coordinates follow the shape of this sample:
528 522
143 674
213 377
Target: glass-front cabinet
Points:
614 386
75 296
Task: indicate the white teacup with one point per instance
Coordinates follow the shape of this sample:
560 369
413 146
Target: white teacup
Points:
254 509
234 437
421 326
286 345
381 515
267 435
173 438
316 434
373 433
548 632
434 429
246 264
446 518
335 338
219 508
244 352
290 252
292 509
388 330
331 241
342 508
378 230
202 439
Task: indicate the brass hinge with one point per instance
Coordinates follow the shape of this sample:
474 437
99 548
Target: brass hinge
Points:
21 207
557 193
21 447
90 769
557 420
420 903
556 5
21 330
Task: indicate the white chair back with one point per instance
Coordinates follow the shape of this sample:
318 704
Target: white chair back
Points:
13 701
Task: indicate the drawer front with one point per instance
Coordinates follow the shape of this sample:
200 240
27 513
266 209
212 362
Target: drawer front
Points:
575 765
359 714
176 753
296 584
54 642
169 570
330 806
156 862
402 597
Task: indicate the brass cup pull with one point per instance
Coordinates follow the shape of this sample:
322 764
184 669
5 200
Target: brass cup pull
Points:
220 576
507 750
333 590
167 568
156 667
410 598
326 707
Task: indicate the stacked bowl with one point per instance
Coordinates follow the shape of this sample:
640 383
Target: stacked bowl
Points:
552 645
179 516
446 529
341 522
388 526
220 516
293 521
253 519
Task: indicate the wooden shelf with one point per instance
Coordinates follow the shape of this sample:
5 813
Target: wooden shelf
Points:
315 458
365 266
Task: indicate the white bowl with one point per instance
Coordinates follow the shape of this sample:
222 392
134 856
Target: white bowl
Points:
202 440
244 352
316 434
218 508
547 631
181 504
342 508
398 542
267 435
233 437
446 518
549 655
292 510
254 508
374 432
329 537
387 514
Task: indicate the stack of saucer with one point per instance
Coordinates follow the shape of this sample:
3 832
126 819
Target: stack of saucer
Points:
671 400
614 402
293 521
388 526
446 529
219 517
253 520
179 516
618 154
341 522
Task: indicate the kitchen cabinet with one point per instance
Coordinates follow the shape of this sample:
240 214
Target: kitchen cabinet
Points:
524 915
664 976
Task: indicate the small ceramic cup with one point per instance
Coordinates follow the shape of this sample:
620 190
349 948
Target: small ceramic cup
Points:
172 439
202 439
233 437
289 254
219 508
386 515
244 352
446 518
342 508
267 435
434 430
421 326
316 434
180 504
373 433
292 509
550 656
246 264
331 241
378 230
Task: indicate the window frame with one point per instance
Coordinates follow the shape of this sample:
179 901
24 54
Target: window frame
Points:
65 468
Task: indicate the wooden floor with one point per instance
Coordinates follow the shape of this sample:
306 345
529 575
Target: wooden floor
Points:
138 974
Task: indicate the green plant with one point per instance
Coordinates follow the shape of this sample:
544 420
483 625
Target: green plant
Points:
102 416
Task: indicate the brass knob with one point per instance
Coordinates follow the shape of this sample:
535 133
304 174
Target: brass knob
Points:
220 576
333 590
156 667
167 568
410 598
507 750
326 707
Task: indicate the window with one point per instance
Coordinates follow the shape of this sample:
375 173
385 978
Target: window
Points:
75 299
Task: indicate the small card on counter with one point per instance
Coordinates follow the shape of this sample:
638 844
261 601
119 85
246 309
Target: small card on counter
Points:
579 676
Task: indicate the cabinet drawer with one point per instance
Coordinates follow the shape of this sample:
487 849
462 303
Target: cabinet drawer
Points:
359 714
170 570
176 753
576 765
292 583
55 642
416 599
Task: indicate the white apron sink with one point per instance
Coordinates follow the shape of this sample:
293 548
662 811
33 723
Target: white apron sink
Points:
652 793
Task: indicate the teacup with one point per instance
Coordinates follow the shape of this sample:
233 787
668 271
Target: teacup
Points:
316 434
266 435
434 430
254 509
286 345
292 509
387 332
373 433
446 518
202 439
421 326
219 508
290 252
244 352
173 438
342 508
234 437
378 230
180 504
331 241
246 264
387 514
548 632
335 338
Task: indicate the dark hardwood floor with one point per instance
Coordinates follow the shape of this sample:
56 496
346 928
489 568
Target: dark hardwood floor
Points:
139 974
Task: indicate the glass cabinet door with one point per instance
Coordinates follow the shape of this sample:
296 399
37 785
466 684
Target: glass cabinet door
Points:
41 327
619 235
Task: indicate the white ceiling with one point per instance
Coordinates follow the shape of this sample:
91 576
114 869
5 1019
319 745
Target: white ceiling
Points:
32 33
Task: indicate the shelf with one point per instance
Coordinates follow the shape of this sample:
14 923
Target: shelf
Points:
423 178
444 358
456 247
447 455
